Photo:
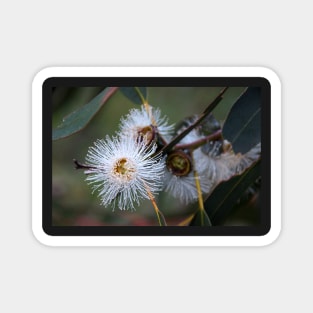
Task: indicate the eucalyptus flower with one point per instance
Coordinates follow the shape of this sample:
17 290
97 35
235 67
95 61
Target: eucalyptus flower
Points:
123 171
145 124
180 170
229 164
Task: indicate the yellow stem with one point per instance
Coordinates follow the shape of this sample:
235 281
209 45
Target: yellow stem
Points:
186 221
198 186
152 199
148 109
200 198
147 106
140 95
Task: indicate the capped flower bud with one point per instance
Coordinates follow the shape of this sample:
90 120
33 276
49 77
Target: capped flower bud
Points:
179 163
179 176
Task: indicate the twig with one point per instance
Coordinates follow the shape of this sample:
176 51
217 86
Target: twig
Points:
194 145
204 114
80 166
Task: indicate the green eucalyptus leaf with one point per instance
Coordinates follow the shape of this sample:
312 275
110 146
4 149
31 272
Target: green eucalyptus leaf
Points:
78 119
137 95
200 218
225 195
243 124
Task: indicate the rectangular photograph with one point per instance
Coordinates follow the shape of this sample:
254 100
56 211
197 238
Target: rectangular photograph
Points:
179 156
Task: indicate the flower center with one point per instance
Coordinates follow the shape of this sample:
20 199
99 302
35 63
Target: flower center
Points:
178 163
146 134
124 169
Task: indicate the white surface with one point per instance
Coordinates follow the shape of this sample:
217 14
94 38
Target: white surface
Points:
47 73
37 278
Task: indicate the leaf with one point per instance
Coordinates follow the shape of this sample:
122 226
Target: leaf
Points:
200 219
225 195
78 119
138 95
243 123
